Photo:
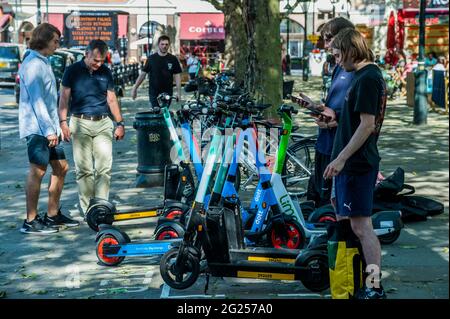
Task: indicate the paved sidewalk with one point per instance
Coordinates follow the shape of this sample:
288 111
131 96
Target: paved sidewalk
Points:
64 265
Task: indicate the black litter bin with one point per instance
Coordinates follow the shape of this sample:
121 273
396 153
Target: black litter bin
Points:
153 148
287 89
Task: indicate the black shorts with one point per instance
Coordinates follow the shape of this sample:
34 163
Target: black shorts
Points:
40 153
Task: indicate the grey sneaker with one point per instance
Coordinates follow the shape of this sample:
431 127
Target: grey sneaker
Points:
37 226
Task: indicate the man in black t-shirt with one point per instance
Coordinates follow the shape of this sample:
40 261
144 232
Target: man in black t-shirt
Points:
161 68
354 158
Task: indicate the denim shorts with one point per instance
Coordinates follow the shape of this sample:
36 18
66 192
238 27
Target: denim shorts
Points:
40 153
354 194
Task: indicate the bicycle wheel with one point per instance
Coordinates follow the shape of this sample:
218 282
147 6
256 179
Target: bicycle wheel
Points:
299 166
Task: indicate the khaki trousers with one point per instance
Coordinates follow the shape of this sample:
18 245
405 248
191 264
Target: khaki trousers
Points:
92 154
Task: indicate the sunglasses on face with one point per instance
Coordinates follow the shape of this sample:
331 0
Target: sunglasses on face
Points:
328 37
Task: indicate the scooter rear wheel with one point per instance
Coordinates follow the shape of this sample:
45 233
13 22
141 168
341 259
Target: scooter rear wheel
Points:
317 276
389 238
107 239
173 213
186 277
327 218
295 239
166 233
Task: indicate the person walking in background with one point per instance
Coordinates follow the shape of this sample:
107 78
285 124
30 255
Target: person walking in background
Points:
161 67
90 87
39 125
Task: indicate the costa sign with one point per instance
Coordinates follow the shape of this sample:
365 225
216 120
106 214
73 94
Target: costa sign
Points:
202 26
206 29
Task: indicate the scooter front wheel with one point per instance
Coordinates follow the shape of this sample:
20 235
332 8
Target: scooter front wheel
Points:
389 238
317 277
292 239
184 277
102 247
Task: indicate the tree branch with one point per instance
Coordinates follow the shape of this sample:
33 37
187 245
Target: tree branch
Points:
216 4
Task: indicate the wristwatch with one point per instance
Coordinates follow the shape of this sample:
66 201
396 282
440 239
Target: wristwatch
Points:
121 123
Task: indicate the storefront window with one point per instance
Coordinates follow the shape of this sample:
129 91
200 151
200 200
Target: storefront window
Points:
295 48
143 31
294 27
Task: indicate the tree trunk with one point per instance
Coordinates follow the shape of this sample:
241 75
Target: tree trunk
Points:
253 45
235 39
263 75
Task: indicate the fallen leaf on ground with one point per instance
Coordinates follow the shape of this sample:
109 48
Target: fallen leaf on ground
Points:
29 276
116 291
445 250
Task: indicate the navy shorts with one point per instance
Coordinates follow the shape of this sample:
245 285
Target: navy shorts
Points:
354 194
40 153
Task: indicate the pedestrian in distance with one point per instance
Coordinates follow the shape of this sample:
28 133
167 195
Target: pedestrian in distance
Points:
193 65
39 125
89 85
162 67
115 58
355 158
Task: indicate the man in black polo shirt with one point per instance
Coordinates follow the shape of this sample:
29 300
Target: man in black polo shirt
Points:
161 68
89 85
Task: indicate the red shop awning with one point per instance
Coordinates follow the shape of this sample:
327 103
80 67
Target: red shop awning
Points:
202 26
57 19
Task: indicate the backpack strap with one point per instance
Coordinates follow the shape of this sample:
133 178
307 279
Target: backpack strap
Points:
410 188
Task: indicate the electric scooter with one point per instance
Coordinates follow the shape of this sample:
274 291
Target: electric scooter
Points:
179 181
263 223
114 245
218 234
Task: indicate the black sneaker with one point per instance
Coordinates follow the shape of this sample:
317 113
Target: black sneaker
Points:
370 293
60 220
36 226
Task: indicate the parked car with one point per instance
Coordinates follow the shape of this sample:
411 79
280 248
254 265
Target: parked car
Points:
10 59
78 54
59 61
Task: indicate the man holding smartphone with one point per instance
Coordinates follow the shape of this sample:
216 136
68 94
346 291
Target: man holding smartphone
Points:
355 157
328 121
